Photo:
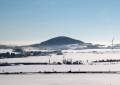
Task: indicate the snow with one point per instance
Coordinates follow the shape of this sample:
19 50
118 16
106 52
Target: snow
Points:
84 55
92 50
87 56
6 50
60 79
26 59
59 68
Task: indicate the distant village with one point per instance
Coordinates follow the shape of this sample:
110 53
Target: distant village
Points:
19 52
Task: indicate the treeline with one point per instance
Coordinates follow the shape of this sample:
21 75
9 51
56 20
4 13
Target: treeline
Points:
10 55
70 62
42 63
24 54
108 60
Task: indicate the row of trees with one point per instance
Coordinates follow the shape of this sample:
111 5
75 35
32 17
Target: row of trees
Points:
10 55
108 60
70 62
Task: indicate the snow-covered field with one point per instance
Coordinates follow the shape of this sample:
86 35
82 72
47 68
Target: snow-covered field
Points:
84 55
6 50
59 68
87 56
60 79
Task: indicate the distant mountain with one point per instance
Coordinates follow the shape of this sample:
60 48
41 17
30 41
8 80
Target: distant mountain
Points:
58 43
6 47
61 42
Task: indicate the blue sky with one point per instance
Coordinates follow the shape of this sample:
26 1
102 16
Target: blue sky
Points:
94 21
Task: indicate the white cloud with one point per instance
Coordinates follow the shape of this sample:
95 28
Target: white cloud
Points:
18 42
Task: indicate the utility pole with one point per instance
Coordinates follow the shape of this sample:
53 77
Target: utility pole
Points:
113 43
